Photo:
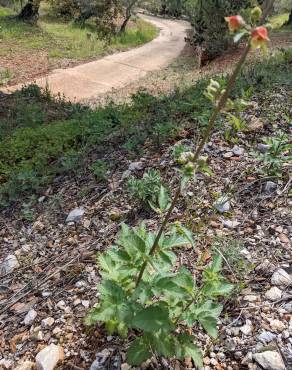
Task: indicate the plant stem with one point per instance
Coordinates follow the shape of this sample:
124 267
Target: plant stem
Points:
221 104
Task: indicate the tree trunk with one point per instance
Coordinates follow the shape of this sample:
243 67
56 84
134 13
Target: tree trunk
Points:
290 18
30 11
163 7
124 25
127 16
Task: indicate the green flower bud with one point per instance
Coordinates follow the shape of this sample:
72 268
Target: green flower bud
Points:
211 89
256 13
202 160
186 157
189 169
215 84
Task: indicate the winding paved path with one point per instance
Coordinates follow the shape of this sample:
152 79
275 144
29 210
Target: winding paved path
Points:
118 70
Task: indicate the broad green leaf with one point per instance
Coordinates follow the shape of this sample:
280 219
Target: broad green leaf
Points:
131 241
175 241
163 199
153 318
167 257
111 326
220 289
112 291
217 263
195 353
188 234
106 262
208 307
101 314
122 330
119 255
143 293
166 285
209 324
138 352
163 344
188 348
185 279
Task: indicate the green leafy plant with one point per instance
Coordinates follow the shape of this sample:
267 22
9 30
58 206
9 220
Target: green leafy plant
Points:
144 291
278 153
99 168
27 209
163 300
178 150
164 131
149 190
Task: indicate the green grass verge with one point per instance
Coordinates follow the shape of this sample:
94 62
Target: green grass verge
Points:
63 39
36 146
279 20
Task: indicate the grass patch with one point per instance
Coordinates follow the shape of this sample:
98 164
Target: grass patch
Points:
43 138
279 20
62 39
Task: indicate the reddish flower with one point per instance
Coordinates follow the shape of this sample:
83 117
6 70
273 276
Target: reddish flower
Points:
235 22
259 37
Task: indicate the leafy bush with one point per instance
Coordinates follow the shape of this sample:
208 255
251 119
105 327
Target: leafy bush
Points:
279 152
147 188
99 168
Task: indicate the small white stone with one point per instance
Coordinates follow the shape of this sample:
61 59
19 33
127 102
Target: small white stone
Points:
273 294
281 277
7 364
251 298
126 367
49 321
75 215
48 358
85 303
61 304
222 204
266 337
9 264
270 187
269 360
26 365
30 317
237 150
77 302
277 325
230 224
285 334
246 329
263 148
227 155
206 360
57 330
213 361
135 166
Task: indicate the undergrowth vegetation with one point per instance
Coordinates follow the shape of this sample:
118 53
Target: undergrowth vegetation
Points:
36 137
65 39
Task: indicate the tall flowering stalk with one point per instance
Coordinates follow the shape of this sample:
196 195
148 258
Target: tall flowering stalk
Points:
257 38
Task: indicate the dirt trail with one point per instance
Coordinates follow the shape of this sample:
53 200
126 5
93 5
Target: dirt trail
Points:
118 70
